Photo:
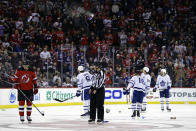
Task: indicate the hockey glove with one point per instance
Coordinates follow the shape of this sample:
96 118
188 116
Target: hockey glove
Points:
16 86
154 89
168 87
125 91
78 93
35 91
146 93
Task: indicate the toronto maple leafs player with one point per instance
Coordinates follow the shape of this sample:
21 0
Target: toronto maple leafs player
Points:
146 78
164 84
138 93
84 83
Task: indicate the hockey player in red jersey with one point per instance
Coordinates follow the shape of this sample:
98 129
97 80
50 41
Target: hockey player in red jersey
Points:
25 79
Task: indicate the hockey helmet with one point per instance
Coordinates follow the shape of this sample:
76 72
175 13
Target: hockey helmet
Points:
98 65
146 69
25 63
80 68
163 70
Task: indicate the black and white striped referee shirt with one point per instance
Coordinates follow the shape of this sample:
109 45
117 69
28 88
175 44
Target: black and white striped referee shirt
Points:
99 80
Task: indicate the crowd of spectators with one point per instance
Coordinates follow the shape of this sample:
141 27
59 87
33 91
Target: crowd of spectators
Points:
58 35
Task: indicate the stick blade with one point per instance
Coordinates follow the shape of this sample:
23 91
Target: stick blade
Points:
58 100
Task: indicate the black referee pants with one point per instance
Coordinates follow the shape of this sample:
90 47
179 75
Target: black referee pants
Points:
97 104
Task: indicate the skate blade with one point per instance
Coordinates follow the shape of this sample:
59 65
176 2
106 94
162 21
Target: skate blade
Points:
138 118
91 122
29 122
100 123
85 117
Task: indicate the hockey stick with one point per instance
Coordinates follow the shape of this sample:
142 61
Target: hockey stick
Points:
10 83
126 95
130 97
127 99
56 99
64 99
42 113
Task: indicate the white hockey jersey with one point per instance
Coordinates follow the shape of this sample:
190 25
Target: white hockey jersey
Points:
163 82
84 80
146 78
137 83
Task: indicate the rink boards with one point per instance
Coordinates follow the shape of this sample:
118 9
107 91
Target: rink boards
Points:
46 96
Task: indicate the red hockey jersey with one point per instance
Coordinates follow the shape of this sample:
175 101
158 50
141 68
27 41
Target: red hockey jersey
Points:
26 79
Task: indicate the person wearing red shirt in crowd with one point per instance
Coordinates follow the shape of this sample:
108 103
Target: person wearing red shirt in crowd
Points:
84 40
86 4
108 35
109 42
104 46
132 40
190 75
95 45
122 22
25 79
153 57
16 38
108 81
140 8
60 34
98 42
93 49
133 53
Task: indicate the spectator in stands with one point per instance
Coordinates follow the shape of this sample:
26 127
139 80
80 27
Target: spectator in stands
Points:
123 40
149 26
170 70
43 82
67 82
44 55
57 79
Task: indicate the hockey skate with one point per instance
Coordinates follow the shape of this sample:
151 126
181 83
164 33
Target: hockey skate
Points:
99 121
85 114
162 109
29 119
91 121
168 109
134 114
138 113
143 109
22 119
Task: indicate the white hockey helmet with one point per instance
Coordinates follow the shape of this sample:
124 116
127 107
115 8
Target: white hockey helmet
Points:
146 69
163 70
80 68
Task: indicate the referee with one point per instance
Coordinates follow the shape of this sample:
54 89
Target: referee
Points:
97 95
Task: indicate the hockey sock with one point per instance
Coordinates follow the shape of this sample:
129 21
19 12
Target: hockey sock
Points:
162 103
86 105
29 108
139 106
21 108
133 106
144 103
167 102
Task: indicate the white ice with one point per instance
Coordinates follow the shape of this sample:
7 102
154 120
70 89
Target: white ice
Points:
68 118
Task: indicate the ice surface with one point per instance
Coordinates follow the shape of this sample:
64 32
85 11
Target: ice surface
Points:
68 118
